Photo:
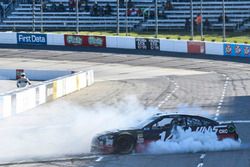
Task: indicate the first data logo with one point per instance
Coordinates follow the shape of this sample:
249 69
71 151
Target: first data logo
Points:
37 39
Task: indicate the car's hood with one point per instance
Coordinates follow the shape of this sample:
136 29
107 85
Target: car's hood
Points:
109 132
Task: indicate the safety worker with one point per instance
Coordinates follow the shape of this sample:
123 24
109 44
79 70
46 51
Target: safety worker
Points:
23 81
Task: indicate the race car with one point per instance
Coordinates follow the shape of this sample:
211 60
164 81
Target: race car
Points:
152 129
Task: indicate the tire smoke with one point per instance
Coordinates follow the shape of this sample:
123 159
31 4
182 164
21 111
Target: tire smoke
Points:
61 128
192 141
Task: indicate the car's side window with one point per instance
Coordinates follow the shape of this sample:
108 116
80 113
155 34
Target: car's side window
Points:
162 123
193 122
206 122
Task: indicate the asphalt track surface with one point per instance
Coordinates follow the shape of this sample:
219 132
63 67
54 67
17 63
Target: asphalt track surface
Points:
219 85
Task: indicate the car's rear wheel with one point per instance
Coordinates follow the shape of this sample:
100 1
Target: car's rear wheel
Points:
125 144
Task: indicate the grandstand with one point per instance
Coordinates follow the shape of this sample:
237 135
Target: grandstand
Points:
20 16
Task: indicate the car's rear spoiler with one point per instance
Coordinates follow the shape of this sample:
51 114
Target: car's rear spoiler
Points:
235 122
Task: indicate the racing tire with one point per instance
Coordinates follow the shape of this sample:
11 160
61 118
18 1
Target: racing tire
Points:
125 144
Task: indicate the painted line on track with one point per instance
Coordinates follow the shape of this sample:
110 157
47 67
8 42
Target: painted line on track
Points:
25 162
220 103
201 163
99 159
170 94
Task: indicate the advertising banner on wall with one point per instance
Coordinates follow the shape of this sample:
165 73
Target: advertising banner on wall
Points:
34 39
96 41
237 50
73 40
19 72
196 47
147 44
85 40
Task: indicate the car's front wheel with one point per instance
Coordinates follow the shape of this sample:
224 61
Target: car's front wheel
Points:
125 144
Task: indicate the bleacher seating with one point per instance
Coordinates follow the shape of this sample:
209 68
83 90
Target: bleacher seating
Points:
237 11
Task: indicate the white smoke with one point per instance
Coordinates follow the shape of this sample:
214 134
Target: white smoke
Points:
192 141
63 128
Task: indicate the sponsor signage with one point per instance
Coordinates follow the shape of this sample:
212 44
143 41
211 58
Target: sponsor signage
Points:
196 47
83 40
27 38
96 41
147 44
49 92
237 50
18 73
73 40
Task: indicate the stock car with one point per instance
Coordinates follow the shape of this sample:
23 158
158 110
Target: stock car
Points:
136 139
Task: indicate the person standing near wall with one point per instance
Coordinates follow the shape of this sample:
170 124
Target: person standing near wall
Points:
198 22
23 81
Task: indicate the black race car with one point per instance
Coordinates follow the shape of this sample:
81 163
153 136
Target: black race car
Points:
136 139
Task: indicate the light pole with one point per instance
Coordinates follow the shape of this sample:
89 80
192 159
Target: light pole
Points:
224 21
41 15
118 19
33 16
126 17
156 18
201 12
192 19
77 17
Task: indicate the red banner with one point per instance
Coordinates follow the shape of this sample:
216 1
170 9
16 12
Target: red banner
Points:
196 47
18 73
96 41
84 40
73 40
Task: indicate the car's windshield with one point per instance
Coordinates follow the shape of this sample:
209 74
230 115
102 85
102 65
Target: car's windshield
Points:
145 122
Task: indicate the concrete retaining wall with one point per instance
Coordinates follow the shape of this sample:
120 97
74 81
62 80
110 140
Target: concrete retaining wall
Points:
20 100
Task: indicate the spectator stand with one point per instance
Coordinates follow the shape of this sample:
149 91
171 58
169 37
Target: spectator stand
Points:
140 15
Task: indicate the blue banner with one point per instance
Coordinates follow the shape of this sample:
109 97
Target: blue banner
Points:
237 50
27 38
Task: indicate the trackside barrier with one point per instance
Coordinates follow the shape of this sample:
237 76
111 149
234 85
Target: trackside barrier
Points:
84 40
34 75
173 45
120 42
196 47
241 50
214 48
21 100
8 38
55 39
169 45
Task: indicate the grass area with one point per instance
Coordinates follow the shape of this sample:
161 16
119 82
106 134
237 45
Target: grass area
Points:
236 37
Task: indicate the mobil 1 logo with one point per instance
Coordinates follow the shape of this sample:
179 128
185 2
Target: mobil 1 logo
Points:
147 44
28 38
